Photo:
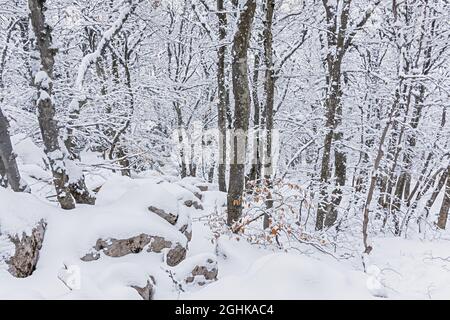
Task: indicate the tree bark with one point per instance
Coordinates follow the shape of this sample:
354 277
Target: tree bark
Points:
222 93
445 207
46 110
373 179
241 112
338 40
255 171
269 89
8 159
327 208
436 191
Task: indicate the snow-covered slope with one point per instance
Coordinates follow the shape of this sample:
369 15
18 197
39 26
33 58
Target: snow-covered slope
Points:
408 268
179 212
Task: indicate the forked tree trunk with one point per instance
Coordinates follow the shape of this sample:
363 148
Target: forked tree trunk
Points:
339 39
241 112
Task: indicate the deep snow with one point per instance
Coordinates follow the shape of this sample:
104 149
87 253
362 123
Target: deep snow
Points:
397 268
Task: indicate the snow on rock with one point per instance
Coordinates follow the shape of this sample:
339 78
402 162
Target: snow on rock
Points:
22 229
147 291
197 270
119 248
26 252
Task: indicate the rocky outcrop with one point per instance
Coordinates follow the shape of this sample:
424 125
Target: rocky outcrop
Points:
121 247
202 187
193 203
172 218
187 231
168 216
198 270
148 290
26 253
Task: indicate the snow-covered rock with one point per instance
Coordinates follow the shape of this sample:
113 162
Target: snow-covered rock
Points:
22 230
148 290
26 252
111 247
198 270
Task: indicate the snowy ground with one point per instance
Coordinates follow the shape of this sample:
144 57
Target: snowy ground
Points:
397 269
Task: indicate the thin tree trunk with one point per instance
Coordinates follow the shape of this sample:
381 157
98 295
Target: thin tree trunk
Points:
327 207
445 207
222 93
339 39
183 165
9 173
8 159
436 192
373 180
255 171
269 89
241 112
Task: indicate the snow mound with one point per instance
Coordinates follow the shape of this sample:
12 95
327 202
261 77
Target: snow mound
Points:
122 213
288 276
21 212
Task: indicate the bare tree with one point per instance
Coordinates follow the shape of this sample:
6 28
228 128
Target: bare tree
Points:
222 92
241 93
46 110
9 173
445 207
269 90
338 39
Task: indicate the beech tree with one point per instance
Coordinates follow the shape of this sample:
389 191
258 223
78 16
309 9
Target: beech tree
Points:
242 102
46 110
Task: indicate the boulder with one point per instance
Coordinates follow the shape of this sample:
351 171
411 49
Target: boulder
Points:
205 273
168 216
148 290
187 231
26 253
193 203
121 247
202 187
198 270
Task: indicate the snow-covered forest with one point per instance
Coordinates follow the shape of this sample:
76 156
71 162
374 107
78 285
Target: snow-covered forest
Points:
212 149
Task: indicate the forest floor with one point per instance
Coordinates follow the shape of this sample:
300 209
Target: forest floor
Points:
398 268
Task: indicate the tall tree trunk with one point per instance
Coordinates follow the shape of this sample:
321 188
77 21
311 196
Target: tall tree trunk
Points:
269 89
241 112
255 171
46 110
373 179
338 40
8 159
78 187
9 173
223 101
327 208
